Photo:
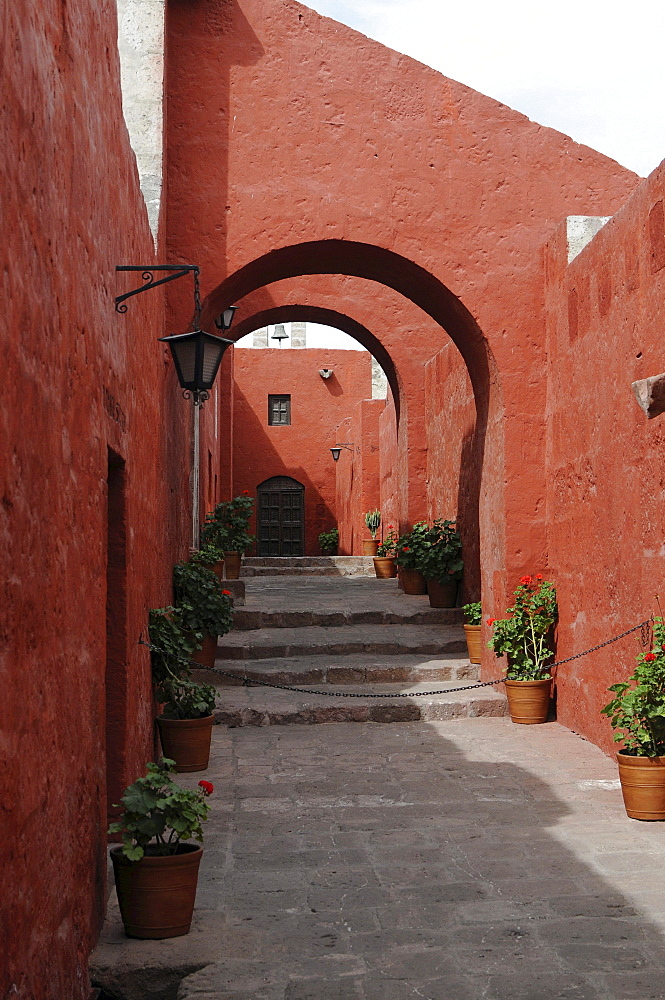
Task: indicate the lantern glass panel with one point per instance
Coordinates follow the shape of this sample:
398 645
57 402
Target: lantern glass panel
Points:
185 358
212 354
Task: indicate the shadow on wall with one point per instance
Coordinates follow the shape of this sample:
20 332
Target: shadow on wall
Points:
256 459
468 498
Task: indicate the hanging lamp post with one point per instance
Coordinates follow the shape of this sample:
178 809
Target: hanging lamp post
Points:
196 355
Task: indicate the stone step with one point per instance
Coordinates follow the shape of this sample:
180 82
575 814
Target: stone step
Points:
307 566
254 706
362 669
317 640
247 619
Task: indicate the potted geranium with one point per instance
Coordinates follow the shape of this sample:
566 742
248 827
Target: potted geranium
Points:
637 714
373 522
384 560
472 629
206 610
328 542
155 868
440 562
525 637
409 553
226 529
185 725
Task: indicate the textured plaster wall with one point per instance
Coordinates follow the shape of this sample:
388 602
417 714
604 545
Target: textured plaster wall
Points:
382 168
605 459
79 380
453 466
318 409
358 475
141 49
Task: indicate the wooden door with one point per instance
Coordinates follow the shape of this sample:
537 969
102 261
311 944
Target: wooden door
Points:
281 517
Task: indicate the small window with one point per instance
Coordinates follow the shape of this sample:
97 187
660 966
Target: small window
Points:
279 410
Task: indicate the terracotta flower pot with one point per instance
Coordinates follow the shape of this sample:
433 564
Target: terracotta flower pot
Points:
473 642
206 655
442 595
218 570
384 567
370 546
528 701
642 785
186 741
232 562
413 582
156 895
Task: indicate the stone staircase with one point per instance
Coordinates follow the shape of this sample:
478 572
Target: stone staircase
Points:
362 638
307 566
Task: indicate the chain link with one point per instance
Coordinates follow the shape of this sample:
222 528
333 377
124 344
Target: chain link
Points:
645 627
196 318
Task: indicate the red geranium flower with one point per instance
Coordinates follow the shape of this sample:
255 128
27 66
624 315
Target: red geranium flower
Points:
405 548
526 580
227 593
207 786
490 621
649 656
539 576
246 492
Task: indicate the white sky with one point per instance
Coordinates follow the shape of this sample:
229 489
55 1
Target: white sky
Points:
317 336
593 70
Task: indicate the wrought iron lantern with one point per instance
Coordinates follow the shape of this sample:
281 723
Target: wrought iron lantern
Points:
337 450
197 357
224 320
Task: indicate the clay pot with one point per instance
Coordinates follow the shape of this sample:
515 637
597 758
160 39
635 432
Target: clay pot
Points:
370 545
413 582
384 567
218 570
528 701
207 653
473 642
186 741
232 562
442 595
156 895
642 785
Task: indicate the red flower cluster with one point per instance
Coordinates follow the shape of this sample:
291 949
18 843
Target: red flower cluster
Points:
405 548
649 656
490 621
526 580
245 493
539 576
207 786
227 593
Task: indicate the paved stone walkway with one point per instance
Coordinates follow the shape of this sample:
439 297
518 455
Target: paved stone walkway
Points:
447 861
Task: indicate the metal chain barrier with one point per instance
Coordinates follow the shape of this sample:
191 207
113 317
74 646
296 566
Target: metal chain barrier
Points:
644 627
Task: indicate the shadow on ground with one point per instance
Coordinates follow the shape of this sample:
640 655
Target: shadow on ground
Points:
448 861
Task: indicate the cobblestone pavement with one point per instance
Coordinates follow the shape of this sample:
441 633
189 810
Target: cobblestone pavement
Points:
447 861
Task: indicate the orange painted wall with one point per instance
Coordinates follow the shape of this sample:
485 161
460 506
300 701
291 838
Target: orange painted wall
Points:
453 463
82 383
358 480
384 170
318 408
605 460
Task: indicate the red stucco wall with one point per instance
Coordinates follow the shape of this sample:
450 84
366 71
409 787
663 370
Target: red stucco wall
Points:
605 459
382 169
79 380
318 408
358 481
454 465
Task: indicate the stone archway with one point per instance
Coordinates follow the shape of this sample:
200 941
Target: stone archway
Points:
320 263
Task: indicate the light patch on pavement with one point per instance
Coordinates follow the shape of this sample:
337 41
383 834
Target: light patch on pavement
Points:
607 784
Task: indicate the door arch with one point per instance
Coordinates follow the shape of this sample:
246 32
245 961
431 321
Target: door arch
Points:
281 517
